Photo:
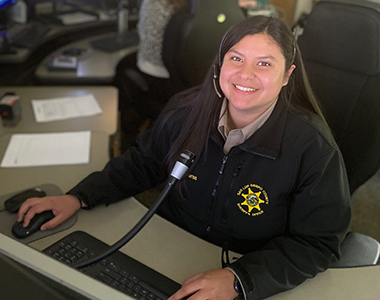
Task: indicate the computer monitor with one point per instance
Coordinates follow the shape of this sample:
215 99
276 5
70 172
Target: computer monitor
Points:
24 270
4 22
6 3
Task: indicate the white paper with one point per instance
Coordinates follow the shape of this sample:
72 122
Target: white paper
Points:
76 18
56 109
47 149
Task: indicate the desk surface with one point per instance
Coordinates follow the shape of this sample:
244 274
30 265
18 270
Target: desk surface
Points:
97 67
66 176
107 98
182 255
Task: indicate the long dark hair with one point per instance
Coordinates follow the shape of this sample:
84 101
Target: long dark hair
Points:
204 104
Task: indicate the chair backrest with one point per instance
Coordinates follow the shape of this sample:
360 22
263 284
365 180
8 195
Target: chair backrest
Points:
340 45
192 39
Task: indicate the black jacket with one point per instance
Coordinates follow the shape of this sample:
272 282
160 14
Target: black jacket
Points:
281 198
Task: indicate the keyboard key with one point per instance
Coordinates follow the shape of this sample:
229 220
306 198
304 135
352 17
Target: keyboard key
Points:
137 288
113 266
112 273
133 278
123 273
81 248
114 284
130 284
144 292
104 277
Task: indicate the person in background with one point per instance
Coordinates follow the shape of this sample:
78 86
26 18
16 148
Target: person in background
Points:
141 75
153 18
268 181
247 3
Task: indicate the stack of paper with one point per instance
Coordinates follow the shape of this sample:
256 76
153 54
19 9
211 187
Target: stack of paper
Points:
57 109
46 149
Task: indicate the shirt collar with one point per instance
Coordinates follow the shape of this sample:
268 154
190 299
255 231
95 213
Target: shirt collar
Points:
248 130
266 142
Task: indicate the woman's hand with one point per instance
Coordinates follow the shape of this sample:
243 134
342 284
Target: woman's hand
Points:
63 207
211 285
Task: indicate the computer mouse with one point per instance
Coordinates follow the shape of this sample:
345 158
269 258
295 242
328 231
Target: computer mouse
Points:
20 232
14 203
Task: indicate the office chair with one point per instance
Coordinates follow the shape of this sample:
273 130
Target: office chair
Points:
340 45
191 41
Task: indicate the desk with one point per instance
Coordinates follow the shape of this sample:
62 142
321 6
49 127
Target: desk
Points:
182 255
107 98
97 67
56 32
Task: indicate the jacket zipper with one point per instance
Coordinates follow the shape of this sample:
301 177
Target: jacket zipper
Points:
221 171
227 202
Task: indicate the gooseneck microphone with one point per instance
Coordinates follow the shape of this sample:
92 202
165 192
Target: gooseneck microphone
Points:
183 163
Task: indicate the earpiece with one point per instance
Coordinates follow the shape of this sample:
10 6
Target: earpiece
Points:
214 79
217 67
294 52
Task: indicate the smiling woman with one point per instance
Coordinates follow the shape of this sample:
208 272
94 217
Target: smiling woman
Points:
252 75
269 180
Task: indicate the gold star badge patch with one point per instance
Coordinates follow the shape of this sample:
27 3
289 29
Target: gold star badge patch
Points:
254 196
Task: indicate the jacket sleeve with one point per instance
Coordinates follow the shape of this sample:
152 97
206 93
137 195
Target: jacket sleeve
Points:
318 219
135 171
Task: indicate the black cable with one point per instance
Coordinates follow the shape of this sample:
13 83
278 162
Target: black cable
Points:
181 166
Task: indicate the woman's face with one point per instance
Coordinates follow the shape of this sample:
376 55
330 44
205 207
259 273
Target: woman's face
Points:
252 75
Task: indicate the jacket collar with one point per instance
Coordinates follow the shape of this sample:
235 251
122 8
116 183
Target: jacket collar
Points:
267 140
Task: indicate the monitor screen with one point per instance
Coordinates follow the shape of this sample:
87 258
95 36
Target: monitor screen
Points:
20 282
5 3
26 273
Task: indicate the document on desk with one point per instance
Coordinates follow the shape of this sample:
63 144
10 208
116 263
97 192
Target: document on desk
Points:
77 18
58 109
47 149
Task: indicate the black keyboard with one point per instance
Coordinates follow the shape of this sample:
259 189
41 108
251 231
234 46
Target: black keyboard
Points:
29 36
117 270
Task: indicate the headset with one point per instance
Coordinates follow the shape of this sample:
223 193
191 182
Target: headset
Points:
216 68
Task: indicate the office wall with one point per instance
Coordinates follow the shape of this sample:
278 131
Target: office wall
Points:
294 8
288 6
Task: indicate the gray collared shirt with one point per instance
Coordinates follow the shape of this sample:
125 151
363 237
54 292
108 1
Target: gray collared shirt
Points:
236 137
